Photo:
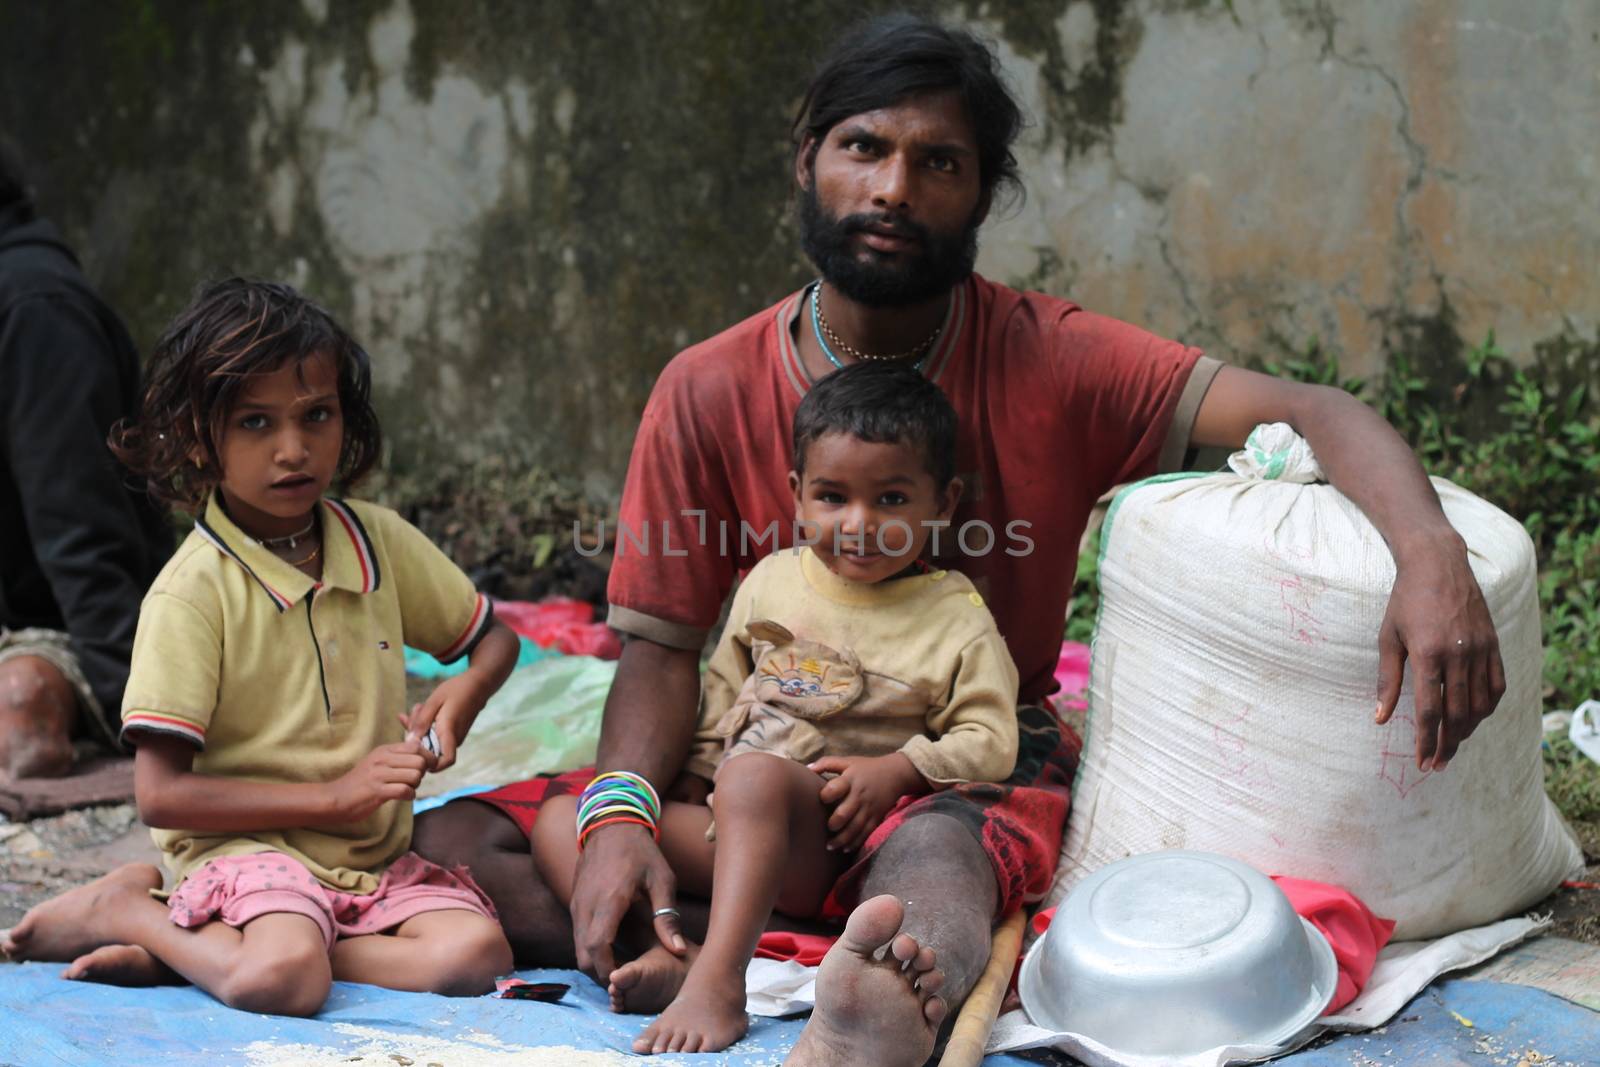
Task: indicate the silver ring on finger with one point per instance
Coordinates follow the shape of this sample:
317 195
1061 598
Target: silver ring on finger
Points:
659 912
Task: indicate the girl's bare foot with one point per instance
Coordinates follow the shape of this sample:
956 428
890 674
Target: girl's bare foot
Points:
648 984
80 920
125 965
884 1011
706 1016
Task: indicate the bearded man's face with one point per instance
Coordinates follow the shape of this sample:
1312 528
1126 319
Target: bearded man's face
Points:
890 202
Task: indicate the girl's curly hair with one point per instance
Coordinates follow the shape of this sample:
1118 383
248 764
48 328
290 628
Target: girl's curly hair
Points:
231 330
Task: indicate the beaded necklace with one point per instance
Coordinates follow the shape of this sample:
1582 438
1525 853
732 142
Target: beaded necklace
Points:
819 327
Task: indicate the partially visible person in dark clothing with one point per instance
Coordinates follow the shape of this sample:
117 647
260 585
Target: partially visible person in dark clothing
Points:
78 545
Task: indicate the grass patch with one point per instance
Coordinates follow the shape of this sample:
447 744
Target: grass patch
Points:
1573 781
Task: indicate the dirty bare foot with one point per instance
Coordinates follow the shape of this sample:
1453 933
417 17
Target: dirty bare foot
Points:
79 920
125 965
648 984
706 1016
883 1011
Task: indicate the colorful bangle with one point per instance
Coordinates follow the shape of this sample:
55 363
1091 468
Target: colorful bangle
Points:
615 809
627 782
590 801
617 797
583 835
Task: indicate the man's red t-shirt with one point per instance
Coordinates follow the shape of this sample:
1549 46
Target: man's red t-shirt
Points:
1055 404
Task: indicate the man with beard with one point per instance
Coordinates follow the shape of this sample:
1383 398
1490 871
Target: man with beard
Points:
902 144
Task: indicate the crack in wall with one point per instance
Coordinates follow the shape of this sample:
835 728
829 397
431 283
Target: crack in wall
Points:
1408 244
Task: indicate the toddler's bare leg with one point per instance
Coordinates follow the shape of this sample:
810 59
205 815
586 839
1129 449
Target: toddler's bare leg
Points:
771 846
650 981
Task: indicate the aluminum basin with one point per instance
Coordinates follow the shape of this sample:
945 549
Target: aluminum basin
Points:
1174 953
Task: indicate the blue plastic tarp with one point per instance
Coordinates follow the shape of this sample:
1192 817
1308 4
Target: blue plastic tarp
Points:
47 1022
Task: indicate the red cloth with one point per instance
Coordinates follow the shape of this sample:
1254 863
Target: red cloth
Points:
1055 406
1355 934
561 623
802 948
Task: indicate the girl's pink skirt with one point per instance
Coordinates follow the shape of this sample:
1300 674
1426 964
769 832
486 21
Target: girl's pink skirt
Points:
237 889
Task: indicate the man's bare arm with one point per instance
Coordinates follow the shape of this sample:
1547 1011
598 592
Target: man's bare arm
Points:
1436 617
649 720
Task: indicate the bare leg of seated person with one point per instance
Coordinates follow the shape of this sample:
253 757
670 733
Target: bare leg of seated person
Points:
885 1011
455 952
37 710
468 834
650 975
276 964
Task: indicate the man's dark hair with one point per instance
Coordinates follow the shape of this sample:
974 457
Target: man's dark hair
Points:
885 60
231 330
883 403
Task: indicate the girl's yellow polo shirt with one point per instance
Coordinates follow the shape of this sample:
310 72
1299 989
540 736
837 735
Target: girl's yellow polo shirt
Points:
275 677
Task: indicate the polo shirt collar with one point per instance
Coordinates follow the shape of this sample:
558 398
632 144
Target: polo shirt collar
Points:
349 561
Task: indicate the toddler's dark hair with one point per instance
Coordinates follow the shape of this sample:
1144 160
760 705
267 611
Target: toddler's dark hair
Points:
882 403
231 330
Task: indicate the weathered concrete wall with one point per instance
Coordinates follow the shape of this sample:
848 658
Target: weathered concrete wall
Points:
1374 174
524 209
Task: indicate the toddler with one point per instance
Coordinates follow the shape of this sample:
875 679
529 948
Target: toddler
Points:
849 675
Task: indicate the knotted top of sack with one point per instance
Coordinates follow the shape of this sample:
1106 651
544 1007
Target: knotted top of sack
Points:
1274 452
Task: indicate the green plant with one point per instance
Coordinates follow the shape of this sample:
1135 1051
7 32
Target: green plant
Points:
1572 780
1317 366
1084 605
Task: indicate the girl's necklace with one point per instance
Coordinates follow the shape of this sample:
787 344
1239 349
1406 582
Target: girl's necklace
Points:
315 552
288 540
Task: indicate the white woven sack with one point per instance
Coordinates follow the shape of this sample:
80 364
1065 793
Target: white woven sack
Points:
1232 693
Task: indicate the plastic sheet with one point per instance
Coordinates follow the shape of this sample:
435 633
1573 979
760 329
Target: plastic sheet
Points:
545 718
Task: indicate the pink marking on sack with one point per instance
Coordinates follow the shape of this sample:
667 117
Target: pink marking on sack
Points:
1399 769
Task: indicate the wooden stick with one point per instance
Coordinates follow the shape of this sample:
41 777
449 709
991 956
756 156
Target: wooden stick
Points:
972 1026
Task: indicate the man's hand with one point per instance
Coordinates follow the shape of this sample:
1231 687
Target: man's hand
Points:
862 794
388 772
1437 619
617 864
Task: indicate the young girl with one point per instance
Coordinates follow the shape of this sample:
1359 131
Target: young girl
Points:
272 759
847 677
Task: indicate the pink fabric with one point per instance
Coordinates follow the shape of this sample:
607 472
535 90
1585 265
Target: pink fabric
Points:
237 889
561 623
1355 934
1072 675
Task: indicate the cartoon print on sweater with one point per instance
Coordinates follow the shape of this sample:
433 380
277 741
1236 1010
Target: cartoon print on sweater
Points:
796 681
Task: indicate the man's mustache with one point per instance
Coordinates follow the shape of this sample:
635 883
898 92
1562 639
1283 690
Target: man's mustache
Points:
897 227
